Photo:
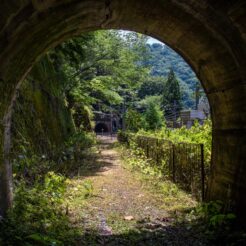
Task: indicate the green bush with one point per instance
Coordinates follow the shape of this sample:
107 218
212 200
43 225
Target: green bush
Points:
122 137
81 140
213 214
153 117
133 120
31 166
38 217
197 134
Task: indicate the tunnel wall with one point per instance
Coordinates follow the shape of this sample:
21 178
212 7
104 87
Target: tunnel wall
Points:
41 120
210 35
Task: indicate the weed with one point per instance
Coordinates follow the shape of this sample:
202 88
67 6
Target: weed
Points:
173 198
38 216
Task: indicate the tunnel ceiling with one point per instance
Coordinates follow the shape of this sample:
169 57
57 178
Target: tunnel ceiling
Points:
210 35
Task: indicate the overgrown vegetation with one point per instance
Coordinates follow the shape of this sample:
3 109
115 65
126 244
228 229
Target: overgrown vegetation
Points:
197 134
39 215
173 197
105 71
210 219
161 59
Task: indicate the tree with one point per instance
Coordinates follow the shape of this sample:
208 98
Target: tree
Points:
171 100
153 85
102 68
133 120
162 58
153 117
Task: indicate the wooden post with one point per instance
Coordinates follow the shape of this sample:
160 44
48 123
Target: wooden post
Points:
157 151
173 163
170 159
147 148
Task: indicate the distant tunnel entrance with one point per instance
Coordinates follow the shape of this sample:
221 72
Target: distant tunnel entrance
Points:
101 128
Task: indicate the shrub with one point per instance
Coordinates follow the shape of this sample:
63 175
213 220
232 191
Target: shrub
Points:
122 137
38 217
212 213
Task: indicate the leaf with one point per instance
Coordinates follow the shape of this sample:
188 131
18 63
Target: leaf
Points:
129 217
231 216
36 237
43 240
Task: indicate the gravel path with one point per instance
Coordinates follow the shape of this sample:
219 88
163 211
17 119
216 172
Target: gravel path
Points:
121 210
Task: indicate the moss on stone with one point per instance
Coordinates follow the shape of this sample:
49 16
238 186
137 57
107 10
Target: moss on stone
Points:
41 119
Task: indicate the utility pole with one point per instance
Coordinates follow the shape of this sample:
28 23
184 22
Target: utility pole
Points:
175 113
197 92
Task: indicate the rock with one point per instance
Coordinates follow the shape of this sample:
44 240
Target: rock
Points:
105 231
129 217
152 226
140 195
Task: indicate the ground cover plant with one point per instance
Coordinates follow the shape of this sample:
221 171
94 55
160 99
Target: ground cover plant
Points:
208 218
40 212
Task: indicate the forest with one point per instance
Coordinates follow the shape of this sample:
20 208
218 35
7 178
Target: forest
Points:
58 159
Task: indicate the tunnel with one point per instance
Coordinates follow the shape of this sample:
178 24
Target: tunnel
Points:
209 35
101 128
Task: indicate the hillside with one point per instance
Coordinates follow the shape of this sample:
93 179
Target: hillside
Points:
162 58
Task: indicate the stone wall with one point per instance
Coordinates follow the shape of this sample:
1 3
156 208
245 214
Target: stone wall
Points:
210 35
41 118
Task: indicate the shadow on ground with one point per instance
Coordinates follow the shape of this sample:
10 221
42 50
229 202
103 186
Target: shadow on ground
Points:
160 234
163 233
88 164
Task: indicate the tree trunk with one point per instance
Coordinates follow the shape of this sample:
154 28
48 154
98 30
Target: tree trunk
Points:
6 180
6 175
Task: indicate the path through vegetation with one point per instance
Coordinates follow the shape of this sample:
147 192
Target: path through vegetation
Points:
119 209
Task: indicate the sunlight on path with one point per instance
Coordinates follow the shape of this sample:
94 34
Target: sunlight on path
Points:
119 208
118 194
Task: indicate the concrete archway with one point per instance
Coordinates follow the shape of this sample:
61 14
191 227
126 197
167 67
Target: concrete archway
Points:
210 35
101 128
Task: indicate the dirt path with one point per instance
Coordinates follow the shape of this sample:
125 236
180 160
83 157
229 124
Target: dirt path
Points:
120 210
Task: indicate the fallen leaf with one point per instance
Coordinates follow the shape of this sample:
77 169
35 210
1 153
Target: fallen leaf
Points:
129 217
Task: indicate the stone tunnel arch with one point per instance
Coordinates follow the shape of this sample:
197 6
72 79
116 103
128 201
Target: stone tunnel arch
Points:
101 128
210 35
